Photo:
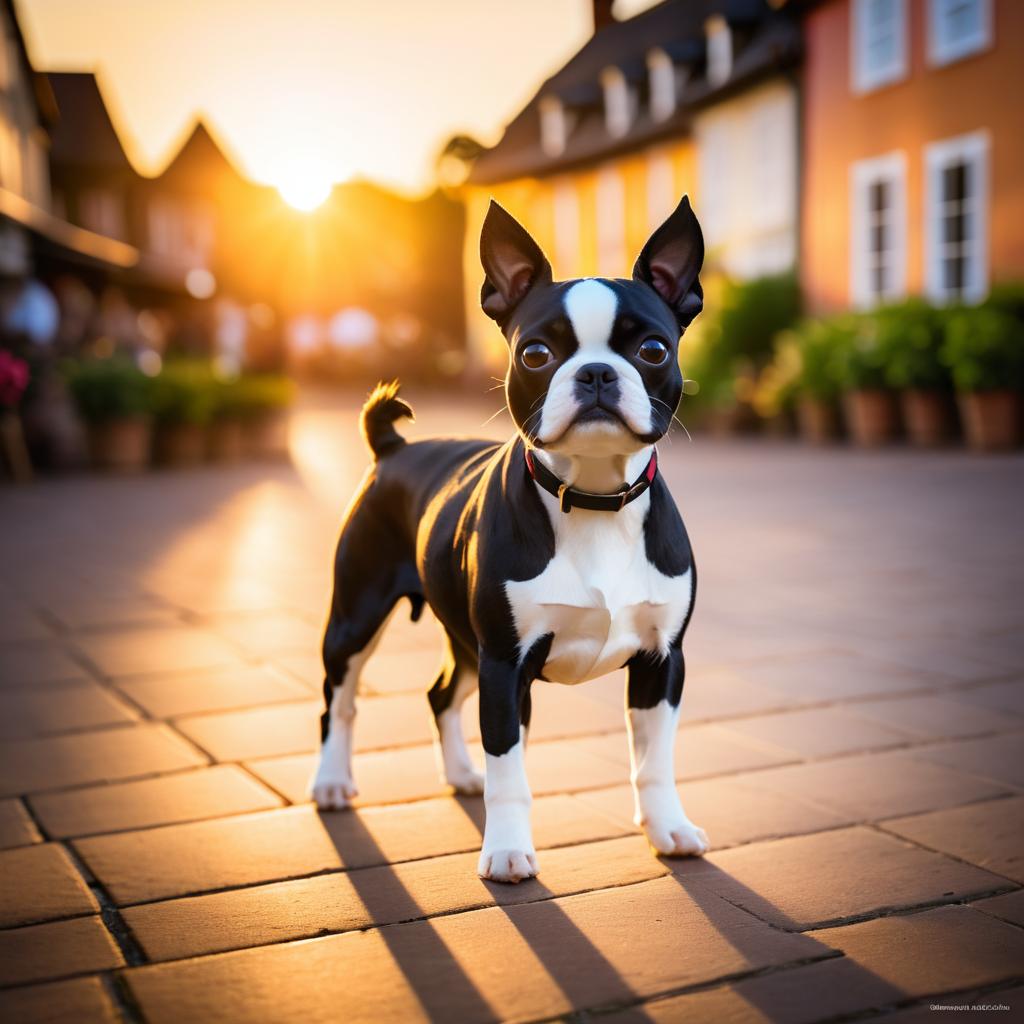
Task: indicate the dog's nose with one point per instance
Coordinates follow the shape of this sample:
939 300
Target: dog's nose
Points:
593 375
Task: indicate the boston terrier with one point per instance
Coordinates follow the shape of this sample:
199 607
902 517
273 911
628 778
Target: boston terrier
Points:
559 555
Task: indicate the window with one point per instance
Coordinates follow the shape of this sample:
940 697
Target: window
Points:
956 218
611 223
554 129
878 228
879 39
958 28
617 102
567 226
661 188
719 42
661 73
181 233
100 210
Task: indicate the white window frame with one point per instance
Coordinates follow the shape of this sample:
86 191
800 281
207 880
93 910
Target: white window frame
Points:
943 50
618 103
611 222
890 168
661 73
972 148
566 215
661 187
554 127
718 37
863 77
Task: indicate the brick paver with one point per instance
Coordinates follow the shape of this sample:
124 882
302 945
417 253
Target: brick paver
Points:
851 739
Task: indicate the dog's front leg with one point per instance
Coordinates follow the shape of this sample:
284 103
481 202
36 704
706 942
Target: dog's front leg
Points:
655 688
507 854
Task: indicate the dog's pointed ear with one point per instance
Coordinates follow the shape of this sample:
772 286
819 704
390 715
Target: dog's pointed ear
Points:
670 263
513 263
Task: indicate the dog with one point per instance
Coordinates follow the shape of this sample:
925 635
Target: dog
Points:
559 555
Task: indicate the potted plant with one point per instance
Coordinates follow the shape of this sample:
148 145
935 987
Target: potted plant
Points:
811 350
910 337
183 401
113 398
264 402
859 366
14 378
226 432
984 349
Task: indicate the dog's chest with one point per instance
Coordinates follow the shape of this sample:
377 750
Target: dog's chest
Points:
599 597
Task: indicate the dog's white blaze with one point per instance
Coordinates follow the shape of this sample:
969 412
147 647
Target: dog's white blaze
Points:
600 596
591 306
659 812
507 854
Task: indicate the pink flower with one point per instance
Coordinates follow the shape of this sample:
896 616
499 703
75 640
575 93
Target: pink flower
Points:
13 378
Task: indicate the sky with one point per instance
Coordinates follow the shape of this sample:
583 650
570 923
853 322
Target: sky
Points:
311 90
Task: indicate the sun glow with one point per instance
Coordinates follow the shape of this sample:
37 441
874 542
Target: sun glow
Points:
304 190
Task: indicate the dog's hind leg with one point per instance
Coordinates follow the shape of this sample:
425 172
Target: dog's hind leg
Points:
456 681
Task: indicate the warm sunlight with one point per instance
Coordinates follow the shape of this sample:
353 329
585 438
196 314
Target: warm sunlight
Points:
304 190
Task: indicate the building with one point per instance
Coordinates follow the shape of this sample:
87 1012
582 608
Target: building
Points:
913 153
31 230
690 96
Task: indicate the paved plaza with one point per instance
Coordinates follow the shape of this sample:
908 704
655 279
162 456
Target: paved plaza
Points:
851 740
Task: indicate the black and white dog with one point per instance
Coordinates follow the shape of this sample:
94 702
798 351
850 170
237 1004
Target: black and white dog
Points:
558 555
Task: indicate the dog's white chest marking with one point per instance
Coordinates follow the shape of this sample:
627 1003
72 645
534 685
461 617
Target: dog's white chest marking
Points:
599 596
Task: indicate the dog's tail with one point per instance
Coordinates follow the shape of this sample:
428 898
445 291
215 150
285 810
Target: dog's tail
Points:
377 421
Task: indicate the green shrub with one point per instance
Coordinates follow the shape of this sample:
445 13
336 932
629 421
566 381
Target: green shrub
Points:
108 389
984 348
910 337
858 361
752 313
184 391
251 396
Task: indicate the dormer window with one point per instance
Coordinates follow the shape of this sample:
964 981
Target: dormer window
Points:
719 41
617 102
554 128
662 75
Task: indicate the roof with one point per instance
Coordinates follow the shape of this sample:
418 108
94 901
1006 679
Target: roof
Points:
38 87
69 240
84 133
200 153
765 39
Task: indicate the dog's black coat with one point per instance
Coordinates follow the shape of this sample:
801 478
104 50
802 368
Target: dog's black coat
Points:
450 522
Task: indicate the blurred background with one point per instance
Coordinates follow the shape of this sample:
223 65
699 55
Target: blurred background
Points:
205 204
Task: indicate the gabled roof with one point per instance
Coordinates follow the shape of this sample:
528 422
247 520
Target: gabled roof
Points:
84 134
200 153
764 39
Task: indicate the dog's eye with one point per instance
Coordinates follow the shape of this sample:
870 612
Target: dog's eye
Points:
653 351
536 355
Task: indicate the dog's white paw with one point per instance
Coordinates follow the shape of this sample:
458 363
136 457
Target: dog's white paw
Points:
676 837
507 865
466 781
333 794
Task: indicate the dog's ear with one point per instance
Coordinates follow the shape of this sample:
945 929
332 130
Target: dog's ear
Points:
513 263
670 263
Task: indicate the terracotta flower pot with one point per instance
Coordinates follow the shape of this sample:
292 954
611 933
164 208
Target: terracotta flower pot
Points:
226 440
871 416
180 444
991 419
121 445
927 417
818 420
267 436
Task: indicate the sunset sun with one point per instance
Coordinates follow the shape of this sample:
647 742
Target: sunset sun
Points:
304 190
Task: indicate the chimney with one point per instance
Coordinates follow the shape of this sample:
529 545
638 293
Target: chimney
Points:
603 16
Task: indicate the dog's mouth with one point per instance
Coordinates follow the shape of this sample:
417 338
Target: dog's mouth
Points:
598 413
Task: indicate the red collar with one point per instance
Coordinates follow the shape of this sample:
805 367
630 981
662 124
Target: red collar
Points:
570 498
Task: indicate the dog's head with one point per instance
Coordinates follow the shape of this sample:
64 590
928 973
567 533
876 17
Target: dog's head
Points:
593 365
